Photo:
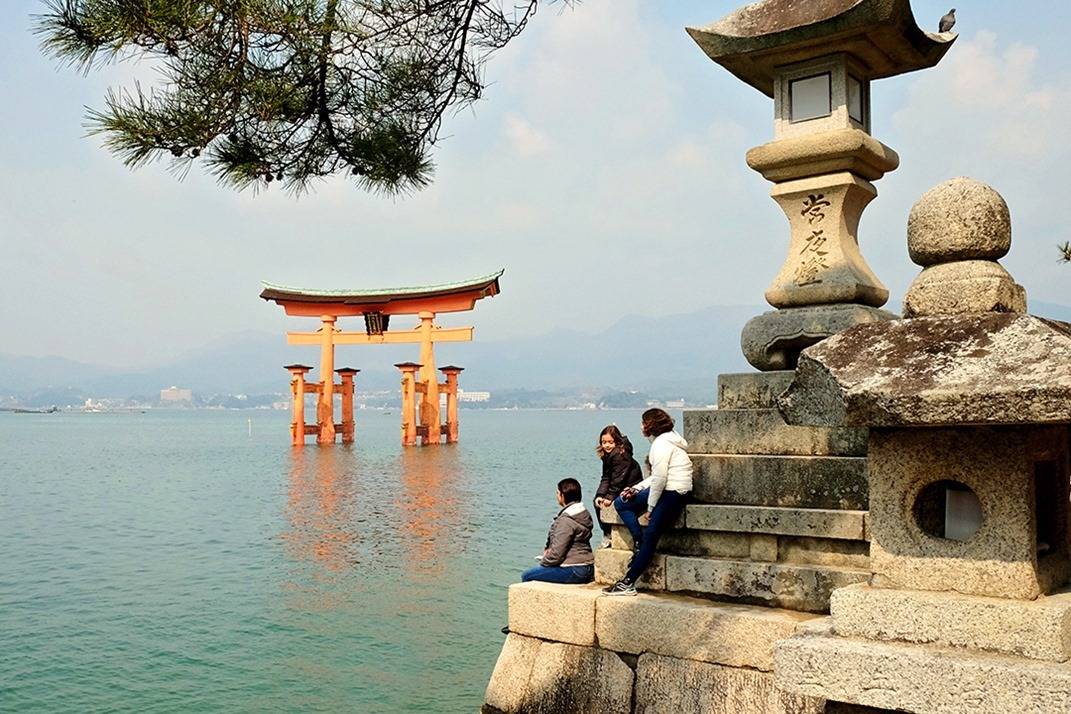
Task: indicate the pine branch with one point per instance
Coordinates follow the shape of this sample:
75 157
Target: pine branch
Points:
286 90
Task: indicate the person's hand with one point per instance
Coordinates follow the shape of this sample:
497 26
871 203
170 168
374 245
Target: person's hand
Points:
627 494
644 519
601 502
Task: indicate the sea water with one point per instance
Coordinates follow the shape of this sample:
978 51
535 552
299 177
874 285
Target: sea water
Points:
181 561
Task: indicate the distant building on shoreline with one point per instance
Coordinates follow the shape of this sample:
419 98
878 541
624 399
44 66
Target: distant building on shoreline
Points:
174 395
463 396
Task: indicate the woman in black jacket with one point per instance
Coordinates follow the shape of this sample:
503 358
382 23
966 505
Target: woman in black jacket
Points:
619 470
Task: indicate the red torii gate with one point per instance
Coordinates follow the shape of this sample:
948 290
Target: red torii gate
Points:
377 307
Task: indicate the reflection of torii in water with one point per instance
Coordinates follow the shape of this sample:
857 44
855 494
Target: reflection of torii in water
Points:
377 307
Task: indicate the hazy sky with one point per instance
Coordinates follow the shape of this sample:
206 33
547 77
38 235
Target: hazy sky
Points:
604 170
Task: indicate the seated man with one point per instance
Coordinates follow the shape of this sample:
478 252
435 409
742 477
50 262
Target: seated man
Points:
567 557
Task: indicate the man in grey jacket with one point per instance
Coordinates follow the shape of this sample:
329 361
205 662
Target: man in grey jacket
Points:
567 557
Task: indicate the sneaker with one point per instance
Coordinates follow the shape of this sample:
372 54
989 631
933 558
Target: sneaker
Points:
621 587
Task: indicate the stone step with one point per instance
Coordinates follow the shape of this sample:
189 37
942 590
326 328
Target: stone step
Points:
916 678
660 623
813 522
758 547
764 431
826 482
1038 629
796 586
766 534
752 390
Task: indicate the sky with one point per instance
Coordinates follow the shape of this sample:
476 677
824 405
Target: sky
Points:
604 170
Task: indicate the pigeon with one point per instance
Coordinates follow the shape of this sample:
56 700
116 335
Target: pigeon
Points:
947 21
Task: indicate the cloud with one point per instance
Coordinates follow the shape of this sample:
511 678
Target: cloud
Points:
525 140
991 95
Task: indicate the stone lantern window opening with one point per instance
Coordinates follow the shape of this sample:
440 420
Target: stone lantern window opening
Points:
810 98
856 102
1050 507
948 509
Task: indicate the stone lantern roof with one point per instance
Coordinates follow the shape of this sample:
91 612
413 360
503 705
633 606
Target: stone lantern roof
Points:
941 370
753 41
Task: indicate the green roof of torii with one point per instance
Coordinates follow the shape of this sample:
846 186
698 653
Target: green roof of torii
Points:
275 292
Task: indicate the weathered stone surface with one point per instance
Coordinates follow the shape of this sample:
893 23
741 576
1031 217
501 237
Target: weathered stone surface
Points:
799 587
1038 629
564 613
676 686
821 523
533 676
828 482
960 219
690 542
693 628
919 678
824 551
752 390
507 690
612 564
763 548
964 287
997 463
824 265
764 431
994 368
836 150
774 340
611 516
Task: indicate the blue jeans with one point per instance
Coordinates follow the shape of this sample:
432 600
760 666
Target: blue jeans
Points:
669 507
566 575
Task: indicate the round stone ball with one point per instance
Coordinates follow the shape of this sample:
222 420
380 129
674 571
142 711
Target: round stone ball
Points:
961 219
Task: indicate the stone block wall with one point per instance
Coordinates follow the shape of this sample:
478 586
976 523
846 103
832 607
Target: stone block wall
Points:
649 653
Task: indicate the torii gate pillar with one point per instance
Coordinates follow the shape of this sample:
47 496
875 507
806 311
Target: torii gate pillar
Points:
297 398
346 389
325 408
452 427
409 425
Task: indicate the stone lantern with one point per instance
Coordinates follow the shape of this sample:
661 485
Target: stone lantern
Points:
968 405
817 60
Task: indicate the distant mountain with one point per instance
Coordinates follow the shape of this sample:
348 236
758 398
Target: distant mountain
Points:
666 357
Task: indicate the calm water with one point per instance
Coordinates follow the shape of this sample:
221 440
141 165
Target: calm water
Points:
169 561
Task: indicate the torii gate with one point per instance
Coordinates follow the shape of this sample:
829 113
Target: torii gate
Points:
377 307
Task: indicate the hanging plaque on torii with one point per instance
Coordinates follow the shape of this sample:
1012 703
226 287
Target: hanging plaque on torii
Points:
421 415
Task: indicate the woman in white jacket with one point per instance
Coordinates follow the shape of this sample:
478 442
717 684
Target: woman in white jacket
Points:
654 504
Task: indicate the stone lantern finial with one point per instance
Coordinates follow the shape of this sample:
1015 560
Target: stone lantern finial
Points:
957 231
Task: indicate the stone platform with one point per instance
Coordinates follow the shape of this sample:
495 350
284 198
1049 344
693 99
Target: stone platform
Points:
898 676
572 648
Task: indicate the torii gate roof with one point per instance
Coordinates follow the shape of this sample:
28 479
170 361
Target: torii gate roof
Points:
447 297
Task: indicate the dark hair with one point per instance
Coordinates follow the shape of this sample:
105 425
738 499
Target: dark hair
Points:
655 422
621 442
570 490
